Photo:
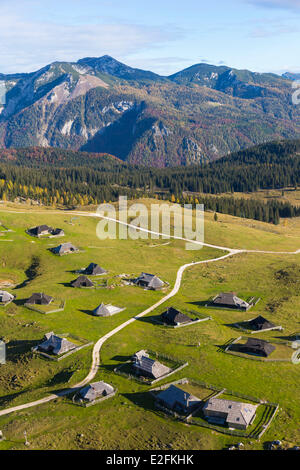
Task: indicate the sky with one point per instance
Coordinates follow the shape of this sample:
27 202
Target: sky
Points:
164 36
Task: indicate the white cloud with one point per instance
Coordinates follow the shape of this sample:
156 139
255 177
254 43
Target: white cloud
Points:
28 44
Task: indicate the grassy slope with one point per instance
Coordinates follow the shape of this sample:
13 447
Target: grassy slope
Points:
129 421
290 195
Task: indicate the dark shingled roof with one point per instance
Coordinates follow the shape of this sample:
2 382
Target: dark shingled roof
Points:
64 248
94 269
82 281
149 280
57 231
55 344
96 390
174 396
101 311
40 229
258 347
234 412
260 323
172 316
230 299
40 299
145 364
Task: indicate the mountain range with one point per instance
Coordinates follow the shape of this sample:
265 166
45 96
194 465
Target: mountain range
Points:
104 106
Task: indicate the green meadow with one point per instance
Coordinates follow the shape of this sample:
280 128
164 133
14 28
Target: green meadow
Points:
129 420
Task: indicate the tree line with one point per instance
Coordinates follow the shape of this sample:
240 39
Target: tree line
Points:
104 179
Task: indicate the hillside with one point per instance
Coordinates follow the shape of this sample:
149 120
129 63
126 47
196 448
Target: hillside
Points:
291 76
101 105
123 421
267 166
70 178
39 156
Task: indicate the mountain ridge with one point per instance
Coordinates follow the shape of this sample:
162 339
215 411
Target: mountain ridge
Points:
102 105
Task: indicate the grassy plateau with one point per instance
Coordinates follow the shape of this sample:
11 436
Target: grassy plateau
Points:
130 420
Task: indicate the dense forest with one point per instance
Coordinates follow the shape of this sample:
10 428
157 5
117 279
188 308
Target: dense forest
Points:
68 178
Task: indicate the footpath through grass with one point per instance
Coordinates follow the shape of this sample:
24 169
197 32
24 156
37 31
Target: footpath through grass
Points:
130 420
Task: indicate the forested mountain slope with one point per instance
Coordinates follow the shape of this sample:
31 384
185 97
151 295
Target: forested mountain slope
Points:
101 105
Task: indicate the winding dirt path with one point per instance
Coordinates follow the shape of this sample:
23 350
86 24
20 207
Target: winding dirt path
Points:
97 347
